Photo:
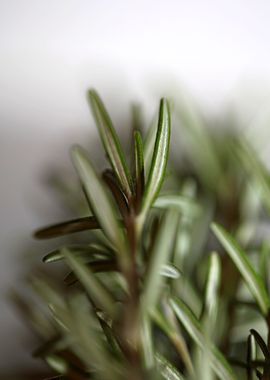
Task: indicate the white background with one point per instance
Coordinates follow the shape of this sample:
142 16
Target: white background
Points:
51 51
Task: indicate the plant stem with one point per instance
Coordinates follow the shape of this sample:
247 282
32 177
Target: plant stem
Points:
131 328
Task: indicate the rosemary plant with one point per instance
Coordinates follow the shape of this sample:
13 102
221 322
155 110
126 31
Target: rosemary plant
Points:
154 294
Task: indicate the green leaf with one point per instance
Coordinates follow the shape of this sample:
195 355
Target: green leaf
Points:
111 181
88 343
170 271
167 323
147 343
264 259
167 370
218 363
87 250
139 164
77 325
69 227
185 205
160 157
91 284
58 364
96 266
111 142
110 337
149 143
240 259
103 207
251 356
212 286
159 256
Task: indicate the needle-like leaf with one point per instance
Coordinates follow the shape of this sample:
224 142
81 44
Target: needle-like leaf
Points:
251 356
111 142
69 227
184 205
160 254
239 257
149 143
103 207
111 181
212 285
57 363
160 157
170 271
139 165
218 363
147 343
89 250
167 370
167 323
96 266
91 284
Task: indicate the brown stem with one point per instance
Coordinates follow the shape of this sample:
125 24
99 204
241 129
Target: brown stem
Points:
228 215
130 329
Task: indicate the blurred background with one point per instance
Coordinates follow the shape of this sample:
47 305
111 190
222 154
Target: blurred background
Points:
52 51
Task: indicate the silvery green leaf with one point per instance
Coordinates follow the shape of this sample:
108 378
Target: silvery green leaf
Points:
102 205
159 159
111 142
170 271
167 323
218 363
89 250
212 286
251 356
242 262
149 143
95 266
202 363
185 205
186 290
139 164
91 284
53 299
88 343
147 342
159 256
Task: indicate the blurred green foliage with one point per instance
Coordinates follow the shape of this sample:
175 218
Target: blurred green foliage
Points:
172 281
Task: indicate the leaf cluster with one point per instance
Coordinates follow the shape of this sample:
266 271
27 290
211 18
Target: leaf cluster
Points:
173 282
